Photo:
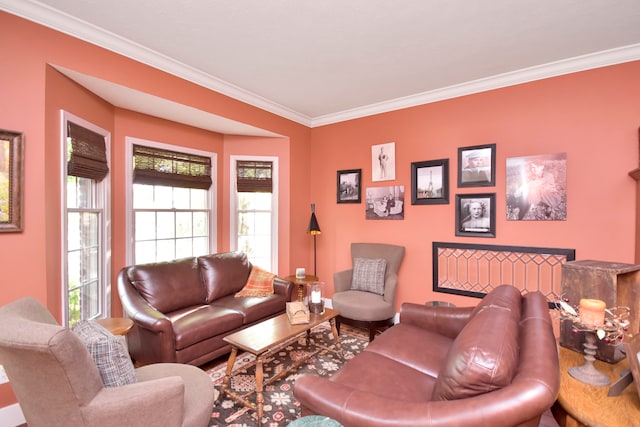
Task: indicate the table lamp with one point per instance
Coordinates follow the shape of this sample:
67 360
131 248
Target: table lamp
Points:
314 230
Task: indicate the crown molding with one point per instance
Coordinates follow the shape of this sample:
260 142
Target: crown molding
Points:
49 17
553 69
67 24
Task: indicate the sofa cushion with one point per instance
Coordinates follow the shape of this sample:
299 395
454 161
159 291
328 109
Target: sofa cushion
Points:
169 286
483 357
368 275
259 284
109 352
224 273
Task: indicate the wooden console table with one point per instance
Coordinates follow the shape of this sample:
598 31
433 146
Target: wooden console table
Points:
587 405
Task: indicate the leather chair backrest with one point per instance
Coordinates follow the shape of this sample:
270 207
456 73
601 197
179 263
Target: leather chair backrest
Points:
224 273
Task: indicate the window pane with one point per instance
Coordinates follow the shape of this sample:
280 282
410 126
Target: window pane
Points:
163 198
91 261
72 193
90 228
200 246
166 250
165 228
181 197
85 193
145 252
184 248
198 199
262 201
142 196
184 225
263 222
73 231
145 223
262 246
89 301
200 224
245 244
73 301
73 269
246 222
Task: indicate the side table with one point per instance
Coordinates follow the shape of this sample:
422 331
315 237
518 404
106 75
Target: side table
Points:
116 325
301 283
588 405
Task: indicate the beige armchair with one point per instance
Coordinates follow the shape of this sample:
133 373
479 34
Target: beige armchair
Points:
57 382
373 309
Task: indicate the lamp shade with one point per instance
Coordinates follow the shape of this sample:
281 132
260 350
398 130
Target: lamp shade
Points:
314 227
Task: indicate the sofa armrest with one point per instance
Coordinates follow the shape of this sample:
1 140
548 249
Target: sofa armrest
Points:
283 287
447 321
342 280
158 402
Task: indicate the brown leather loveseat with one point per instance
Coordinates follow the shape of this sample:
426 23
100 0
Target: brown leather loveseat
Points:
183 309
492 365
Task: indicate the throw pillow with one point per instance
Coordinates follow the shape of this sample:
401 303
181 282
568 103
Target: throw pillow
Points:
259 284
109 352
368 275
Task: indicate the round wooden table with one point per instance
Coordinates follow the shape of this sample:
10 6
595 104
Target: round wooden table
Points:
587 405
116 325
301 283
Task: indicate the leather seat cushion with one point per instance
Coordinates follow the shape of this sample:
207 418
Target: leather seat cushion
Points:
252 309
373 373
194 324
418 348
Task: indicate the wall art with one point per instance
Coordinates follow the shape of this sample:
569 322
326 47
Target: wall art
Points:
476 215
430 182
349 190
477 166
385 202
536 188
11 180
383 162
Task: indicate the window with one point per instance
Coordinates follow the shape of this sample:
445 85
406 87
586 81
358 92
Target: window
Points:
86 215
172 202
254 209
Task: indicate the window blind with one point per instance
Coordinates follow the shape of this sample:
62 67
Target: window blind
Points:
155 166
87 153
254 176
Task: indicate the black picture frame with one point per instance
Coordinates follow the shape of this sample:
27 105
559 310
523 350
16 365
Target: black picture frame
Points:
468 206
349 188
477 166
12 176
430 182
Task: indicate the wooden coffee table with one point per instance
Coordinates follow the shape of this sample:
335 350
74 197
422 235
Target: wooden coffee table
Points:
260 340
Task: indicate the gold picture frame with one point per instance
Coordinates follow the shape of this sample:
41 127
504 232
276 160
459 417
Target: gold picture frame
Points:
11 180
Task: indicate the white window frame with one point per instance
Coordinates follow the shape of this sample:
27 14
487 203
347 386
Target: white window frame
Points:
103 199
233 204
213 224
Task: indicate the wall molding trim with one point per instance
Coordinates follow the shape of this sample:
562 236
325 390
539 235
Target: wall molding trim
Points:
49 17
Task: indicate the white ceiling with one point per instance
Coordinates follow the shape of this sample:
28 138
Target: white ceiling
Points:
324 61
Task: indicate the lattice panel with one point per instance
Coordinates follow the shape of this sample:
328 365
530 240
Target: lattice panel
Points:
474 270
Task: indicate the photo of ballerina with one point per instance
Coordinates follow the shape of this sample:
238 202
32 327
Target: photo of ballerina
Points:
537 188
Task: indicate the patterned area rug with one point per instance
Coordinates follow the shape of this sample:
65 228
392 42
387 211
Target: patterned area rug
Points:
280 406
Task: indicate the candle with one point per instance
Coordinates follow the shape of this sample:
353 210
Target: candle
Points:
592 312
315 297
300 273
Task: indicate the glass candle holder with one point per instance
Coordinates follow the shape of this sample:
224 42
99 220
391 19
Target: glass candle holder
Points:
316 298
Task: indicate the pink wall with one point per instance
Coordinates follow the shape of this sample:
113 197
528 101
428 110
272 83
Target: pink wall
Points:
592 116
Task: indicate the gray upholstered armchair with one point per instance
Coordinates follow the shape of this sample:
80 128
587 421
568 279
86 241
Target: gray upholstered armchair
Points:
365 294
57 382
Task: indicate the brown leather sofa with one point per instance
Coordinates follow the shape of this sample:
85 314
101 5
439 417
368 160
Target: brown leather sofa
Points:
492 365
183 309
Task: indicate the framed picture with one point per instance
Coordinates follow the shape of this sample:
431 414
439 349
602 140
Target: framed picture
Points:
476 215
430 182
537 188
385 203
11 176
349 186
632 347
383 162
477 166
